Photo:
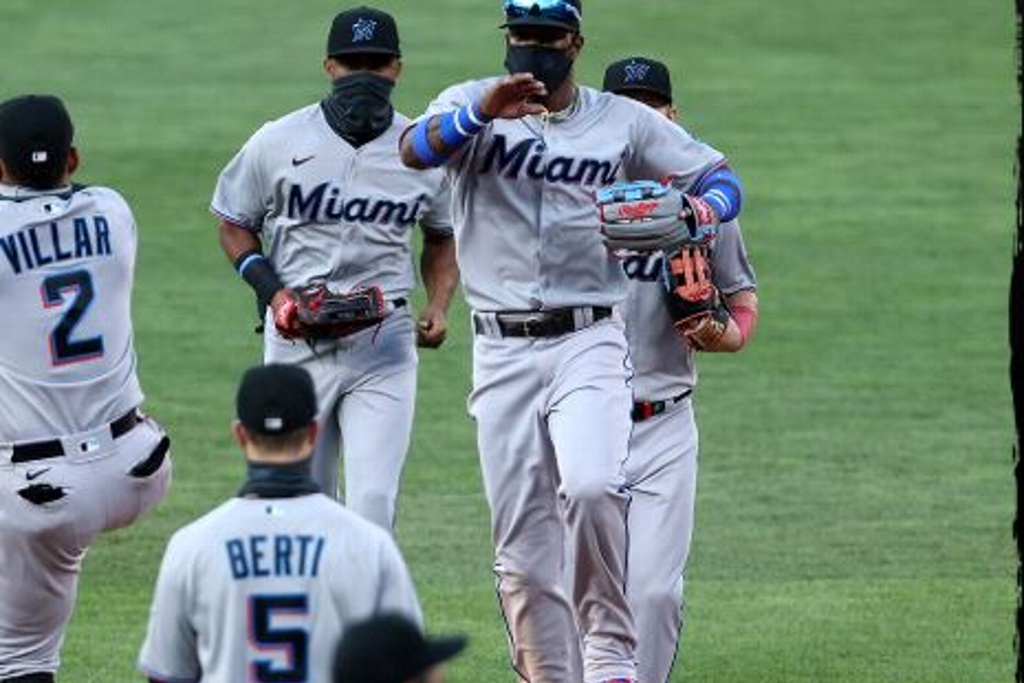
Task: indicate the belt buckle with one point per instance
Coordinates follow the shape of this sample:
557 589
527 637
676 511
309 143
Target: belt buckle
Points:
532 326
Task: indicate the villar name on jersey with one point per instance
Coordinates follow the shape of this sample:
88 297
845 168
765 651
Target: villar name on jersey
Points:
40 245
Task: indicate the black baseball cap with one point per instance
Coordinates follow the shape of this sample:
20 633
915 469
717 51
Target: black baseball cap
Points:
564 14
35 138
638 73
389 648
276 399
363 30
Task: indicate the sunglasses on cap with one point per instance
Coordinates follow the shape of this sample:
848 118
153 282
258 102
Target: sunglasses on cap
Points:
559 10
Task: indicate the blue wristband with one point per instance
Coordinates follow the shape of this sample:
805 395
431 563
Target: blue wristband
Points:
452 134
459 126
723 191
422 147
247 260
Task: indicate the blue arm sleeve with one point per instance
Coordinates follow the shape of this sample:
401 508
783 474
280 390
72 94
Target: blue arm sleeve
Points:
721 188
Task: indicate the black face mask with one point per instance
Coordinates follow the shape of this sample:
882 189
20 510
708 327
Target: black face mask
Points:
550 66
359 107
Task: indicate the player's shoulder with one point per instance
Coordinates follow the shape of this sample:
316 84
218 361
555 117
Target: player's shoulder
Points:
288 126
347 523
606 104
469 90
100 193
194 535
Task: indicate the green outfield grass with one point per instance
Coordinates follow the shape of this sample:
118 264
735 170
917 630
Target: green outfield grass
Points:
856 492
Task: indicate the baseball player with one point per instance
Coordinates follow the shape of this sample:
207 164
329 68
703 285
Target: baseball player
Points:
76 456
389 648
324 192
261 588
551 397
661 472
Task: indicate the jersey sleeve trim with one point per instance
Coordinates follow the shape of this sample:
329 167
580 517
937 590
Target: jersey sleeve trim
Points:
239 221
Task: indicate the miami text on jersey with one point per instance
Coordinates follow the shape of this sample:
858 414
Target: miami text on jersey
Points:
324 204
40 245
278 555
529 153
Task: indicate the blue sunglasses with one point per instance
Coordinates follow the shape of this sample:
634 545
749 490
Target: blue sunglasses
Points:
559 10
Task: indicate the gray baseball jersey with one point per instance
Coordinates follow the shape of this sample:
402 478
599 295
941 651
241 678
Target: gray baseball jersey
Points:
327 211
553 413
663 362
661 472
67 377
330 212
261 589
67 362
522 199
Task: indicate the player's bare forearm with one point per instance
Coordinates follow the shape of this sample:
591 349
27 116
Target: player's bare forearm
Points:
440 274
439 270
407 148
235 240
739 327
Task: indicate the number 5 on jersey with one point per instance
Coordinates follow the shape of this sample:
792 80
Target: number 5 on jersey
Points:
289 643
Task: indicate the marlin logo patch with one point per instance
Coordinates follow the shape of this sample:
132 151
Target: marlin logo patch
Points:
363 30
636 73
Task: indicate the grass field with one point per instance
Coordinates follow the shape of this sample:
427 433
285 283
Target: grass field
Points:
856 492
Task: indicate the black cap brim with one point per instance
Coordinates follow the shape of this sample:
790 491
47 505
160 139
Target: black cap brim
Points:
365 51
441 649
641 89
547 22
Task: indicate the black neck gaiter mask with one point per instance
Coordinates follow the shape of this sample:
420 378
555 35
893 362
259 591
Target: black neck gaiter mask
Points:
359 107
279 481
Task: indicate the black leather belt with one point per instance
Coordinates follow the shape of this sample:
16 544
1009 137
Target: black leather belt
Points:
643 410
54 448
552 322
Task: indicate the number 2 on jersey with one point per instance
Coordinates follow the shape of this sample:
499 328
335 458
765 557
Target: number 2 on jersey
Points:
76 284
291 643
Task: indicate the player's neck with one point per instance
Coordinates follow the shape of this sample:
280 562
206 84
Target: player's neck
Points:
278 479
563 98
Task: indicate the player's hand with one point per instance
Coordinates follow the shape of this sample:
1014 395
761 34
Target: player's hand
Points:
514 97
431 328
286 314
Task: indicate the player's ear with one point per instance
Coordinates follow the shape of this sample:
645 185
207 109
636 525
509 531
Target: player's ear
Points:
672 113
238 431
577 42
314 432
396 69
3 171
330 68
73 160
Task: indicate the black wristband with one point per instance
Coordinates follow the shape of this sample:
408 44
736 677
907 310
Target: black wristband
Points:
257 271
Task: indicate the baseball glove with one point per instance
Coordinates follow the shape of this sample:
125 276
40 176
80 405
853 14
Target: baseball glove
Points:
693 301
316 312
645 215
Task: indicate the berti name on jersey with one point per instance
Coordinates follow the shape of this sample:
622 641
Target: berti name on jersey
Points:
278 555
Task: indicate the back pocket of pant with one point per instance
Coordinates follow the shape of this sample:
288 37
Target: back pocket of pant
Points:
152 463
